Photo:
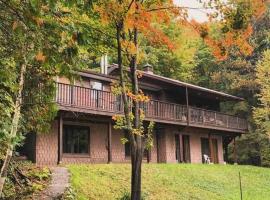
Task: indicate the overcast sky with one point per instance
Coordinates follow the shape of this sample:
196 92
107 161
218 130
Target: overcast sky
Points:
198 15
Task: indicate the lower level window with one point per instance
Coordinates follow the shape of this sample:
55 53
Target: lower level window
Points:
76 139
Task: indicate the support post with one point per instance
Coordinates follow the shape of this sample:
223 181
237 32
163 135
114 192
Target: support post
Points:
187 103
181 148
157 143
234 151
109 142
211 147
60 138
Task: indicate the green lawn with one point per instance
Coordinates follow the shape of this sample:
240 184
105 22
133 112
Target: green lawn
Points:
172 181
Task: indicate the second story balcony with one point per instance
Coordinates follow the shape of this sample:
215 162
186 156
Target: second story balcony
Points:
82 99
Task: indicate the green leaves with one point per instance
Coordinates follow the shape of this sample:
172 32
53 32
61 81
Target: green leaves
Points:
262 111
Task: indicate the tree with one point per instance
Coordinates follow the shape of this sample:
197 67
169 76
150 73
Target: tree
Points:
131 21
235 73
35 48
262 111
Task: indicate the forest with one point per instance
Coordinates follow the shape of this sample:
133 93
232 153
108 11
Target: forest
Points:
42 39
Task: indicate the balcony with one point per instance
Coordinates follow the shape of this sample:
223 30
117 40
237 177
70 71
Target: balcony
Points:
82 99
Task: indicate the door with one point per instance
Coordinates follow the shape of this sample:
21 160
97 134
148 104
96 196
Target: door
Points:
186 148
211 153
205 149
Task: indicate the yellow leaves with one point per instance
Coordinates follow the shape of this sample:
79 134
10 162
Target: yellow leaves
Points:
65 9
129 47
137 132
116 117
40 57
116 88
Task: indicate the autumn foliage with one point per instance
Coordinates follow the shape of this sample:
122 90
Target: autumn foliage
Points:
234 20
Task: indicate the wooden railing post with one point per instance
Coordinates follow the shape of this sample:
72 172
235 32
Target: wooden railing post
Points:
71 94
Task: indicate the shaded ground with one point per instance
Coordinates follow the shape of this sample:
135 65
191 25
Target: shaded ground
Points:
172 181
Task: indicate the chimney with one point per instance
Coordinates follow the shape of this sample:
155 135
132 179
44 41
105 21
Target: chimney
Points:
104 64
148 68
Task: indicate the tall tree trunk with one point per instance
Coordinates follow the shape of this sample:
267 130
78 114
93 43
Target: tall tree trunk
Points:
135 140
14 128
137 149
136 165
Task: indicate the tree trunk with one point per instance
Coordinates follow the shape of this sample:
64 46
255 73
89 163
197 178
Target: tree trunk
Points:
14 128
137 149
135 140
136 165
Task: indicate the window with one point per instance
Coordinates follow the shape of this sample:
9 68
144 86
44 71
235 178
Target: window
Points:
76 139
96 85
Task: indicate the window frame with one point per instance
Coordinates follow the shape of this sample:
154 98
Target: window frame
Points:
89 143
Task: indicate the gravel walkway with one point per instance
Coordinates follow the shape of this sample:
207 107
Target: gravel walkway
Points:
58 185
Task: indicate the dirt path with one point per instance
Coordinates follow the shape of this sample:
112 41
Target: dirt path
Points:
59 183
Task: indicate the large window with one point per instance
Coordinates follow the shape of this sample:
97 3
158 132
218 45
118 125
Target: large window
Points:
76 139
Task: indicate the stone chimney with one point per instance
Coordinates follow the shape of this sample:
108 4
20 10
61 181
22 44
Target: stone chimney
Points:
148 68
104 64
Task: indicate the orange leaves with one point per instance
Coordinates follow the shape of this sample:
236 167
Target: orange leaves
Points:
39 21
142 16
233 27
139 97
259 8
139 74
225 41
40 57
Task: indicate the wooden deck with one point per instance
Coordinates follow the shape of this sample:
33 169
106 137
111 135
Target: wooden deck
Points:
82 99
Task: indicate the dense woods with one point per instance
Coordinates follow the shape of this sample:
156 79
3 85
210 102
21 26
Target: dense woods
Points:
40 40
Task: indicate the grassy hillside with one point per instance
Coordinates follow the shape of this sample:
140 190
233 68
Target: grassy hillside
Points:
172 181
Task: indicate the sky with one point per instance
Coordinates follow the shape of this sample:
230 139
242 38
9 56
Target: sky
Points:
198 15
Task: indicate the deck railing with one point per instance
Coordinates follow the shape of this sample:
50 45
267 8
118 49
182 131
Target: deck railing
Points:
91 99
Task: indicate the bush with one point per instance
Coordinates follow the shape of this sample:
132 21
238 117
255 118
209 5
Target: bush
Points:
24 179
252 149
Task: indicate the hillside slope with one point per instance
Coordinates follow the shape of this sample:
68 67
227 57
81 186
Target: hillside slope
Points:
172 181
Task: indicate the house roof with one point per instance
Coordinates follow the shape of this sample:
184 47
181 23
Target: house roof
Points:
188 85
110 78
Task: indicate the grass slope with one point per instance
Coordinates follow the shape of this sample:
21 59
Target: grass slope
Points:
172 181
